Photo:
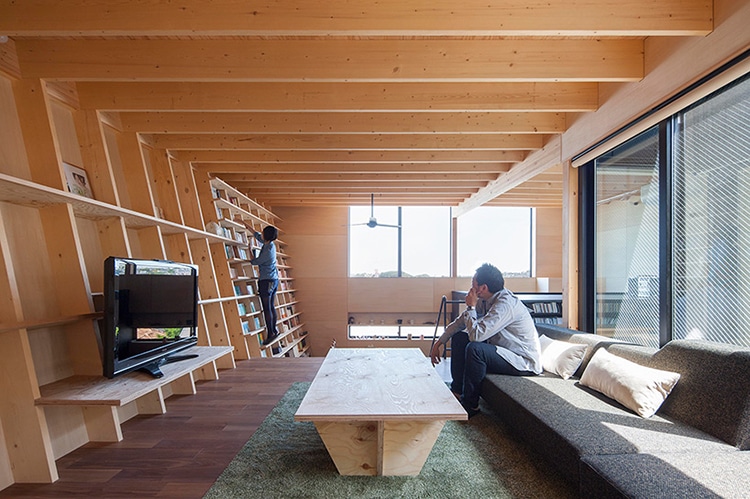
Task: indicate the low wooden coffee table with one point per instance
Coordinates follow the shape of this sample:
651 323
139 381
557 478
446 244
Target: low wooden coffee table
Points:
379 411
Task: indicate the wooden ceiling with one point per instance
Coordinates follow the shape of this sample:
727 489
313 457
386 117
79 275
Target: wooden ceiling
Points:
421 102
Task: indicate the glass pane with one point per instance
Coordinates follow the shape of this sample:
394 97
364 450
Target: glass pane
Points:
627 241
373 251
711 264
426 233
497 235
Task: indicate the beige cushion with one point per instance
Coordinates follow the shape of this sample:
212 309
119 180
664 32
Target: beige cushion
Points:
639 388
560 357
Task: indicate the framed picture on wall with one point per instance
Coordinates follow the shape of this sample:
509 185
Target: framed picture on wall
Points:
77 180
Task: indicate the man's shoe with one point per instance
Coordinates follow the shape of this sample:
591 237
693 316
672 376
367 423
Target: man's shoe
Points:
471 411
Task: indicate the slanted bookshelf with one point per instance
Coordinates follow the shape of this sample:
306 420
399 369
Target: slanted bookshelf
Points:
238 217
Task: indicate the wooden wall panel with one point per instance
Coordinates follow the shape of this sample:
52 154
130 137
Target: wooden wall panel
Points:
6 473
65 130
318 246
39 137
95 156
118 174
13 159
549 227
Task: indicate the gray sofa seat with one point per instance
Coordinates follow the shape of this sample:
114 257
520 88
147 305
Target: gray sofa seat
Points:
693 447
676 474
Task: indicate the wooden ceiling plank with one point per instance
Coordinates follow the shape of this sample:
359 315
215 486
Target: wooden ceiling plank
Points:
329 60
356 17
344 122
337 96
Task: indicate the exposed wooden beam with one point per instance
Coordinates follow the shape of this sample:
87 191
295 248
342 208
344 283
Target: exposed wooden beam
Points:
536 163
401 188
467 177
338 96
346 142
356 17
344 122
223 169
214 157
330 60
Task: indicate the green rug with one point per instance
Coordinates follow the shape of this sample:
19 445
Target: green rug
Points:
286 459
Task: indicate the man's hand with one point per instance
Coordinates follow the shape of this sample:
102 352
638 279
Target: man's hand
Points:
472 298
435 353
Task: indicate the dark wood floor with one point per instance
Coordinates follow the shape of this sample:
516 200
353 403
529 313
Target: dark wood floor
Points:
181 453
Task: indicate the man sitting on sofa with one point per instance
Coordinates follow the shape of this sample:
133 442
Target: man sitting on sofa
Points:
495 335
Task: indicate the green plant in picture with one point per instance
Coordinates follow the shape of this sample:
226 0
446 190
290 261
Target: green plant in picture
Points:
171 332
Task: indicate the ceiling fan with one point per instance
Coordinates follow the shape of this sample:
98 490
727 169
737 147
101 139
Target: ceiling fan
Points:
373 222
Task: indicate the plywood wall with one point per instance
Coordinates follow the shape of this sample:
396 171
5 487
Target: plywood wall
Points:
318 245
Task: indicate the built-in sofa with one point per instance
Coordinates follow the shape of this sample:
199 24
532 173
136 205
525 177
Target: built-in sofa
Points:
696 445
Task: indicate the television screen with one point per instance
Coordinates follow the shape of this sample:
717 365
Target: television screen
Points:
151 310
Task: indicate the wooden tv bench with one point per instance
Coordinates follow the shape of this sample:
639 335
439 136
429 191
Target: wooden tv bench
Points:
378 411
103 400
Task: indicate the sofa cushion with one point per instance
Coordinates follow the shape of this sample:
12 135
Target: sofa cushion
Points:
708 475
561 357
639 388
713 393
593 341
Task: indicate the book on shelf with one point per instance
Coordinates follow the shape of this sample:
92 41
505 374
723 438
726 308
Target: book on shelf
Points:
232 273
240 236
257 322
245 327
237 290
229 251
218 193
241 308
234 200
252 306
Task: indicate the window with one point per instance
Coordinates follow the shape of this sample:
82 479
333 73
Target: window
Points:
627 241
672 228
497 235
711 220
419 248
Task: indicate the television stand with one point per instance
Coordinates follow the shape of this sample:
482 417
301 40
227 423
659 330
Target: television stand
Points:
154 368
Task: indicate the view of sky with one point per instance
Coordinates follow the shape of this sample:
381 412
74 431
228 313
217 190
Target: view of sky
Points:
500 236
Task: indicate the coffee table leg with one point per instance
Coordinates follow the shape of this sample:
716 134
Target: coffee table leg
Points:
379 448
353 446
407 444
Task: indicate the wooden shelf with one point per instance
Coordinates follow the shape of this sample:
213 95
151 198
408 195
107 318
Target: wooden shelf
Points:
25 193
60 321
98 390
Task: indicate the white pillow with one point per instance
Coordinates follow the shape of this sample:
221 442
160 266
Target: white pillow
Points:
639 388
560 357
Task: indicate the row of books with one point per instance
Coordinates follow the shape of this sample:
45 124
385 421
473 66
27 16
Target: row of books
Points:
243 290
550 307
222 194
236 252
242 308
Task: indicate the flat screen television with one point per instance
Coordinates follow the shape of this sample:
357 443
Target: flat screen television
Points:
150 314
